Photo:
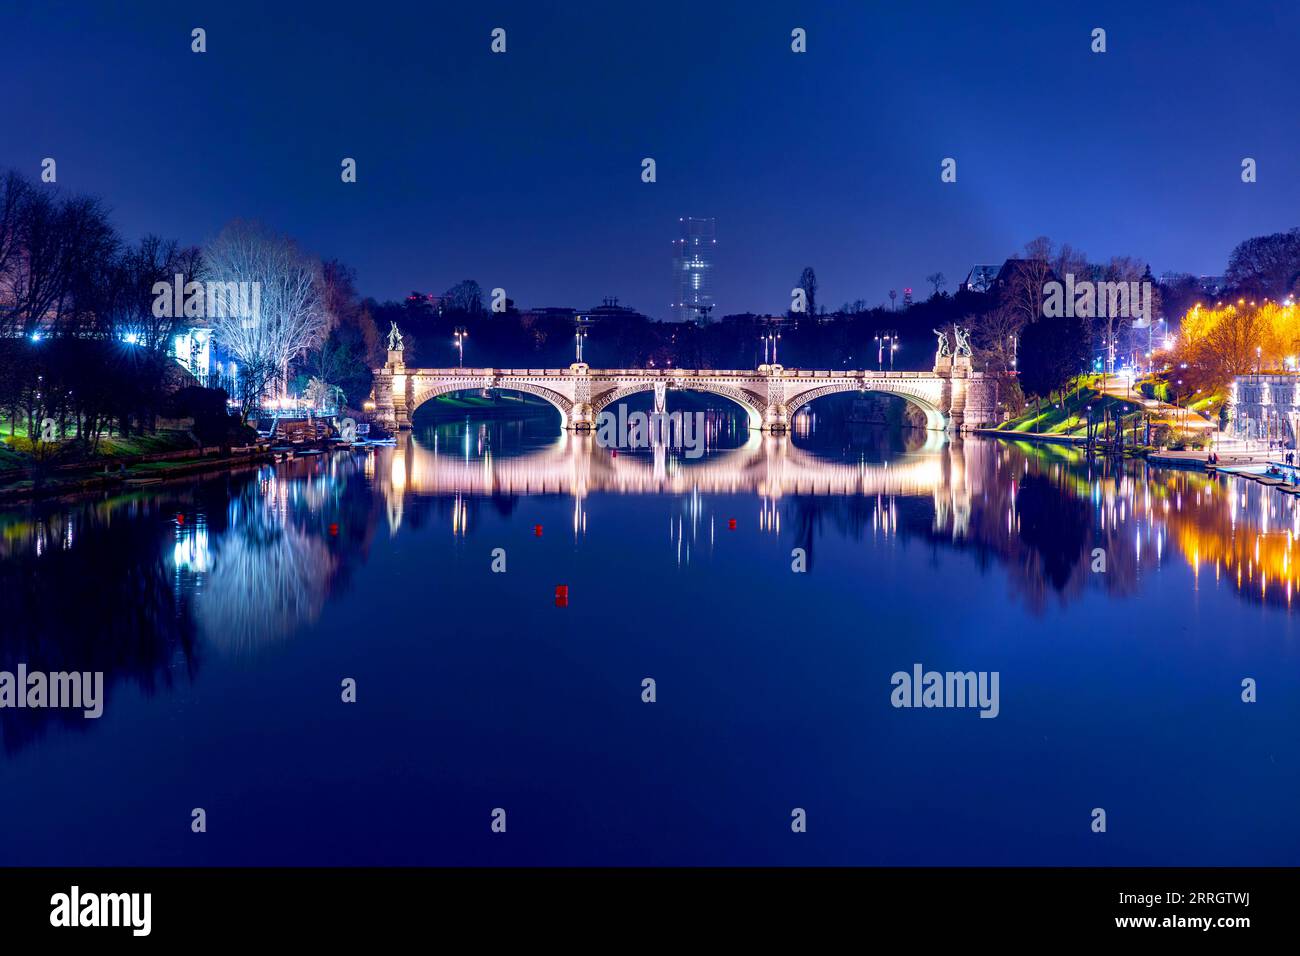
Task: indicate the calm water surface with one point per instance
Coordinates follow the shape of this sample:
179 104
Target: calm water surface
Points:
225 612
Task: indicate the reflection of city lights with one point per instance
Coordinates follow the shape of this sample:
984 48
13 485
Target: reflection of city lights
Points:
191 552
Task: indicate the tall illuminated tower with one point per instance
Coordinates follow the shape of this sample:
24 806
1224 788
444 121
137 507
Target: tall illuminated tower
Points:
693 269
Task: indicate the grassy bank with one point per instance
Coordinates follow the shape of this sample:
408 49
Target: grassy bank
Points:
1070 416
43 469
19 451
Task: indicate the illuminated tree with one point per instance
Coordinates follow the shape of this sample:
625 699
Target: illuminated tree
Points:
290 317
1220 344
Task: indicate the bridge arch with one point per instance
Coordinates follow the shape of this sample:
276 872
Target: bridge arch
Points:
751 403
424 394
935 420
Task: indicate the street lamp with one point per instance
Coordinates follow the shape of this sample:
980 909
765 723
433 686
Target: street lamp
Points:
461 334
770 338
886 339
579 335
1150 348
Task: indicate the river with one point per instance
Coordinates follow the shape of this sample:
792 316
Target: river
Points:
771 590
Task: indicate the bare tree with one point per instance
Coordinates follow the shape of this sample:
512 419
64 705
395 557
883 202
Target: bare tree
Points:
1024 293
14 196
289 317
30 257
465 297
1108 327
139 269
339 295
996 334
1220 344
1068 261
808 282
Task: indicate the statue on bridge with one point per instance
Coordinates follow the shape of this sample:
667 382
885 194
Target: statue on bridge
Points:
943 350
395 340
963 340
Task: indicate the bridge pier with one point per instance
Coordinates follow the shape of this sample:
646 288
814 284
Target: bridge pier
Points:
776 419
580 418
390 393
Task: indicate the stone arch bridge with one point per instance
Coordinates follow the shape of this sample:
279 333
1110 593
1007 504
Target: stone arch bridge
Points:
952 396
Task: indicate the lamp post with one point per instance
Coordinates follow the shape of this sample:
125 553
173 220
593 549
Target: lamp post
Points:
461 334
1150 346
579 335
770 338
887 339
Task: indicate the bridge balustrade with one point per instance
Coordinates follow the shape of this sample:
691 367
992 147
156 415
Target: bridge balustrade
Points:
578 391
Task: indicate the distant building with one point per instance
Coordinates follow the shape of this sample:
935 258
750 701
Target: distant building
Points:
192 346
981 278
434 303
1030 269
1265 407
1209 285
693 254
550 312
609 309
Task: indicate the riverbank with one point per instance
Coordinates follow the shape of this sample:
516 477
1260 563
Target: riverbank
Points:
30 482
1029 436
1237 461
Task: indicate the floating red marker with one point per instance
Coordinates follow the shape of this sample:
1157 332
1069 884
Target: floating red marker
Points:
613 453
561 595
334 530
180 519
731 524
537 531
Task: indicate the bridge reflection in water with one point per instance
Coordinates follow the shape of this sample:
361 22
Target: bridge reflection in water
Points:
1041 511
767 465
235 563
224 610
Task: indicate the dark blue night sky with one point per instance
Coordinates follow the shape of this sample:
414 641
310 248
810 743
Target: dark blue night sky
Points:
523 170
